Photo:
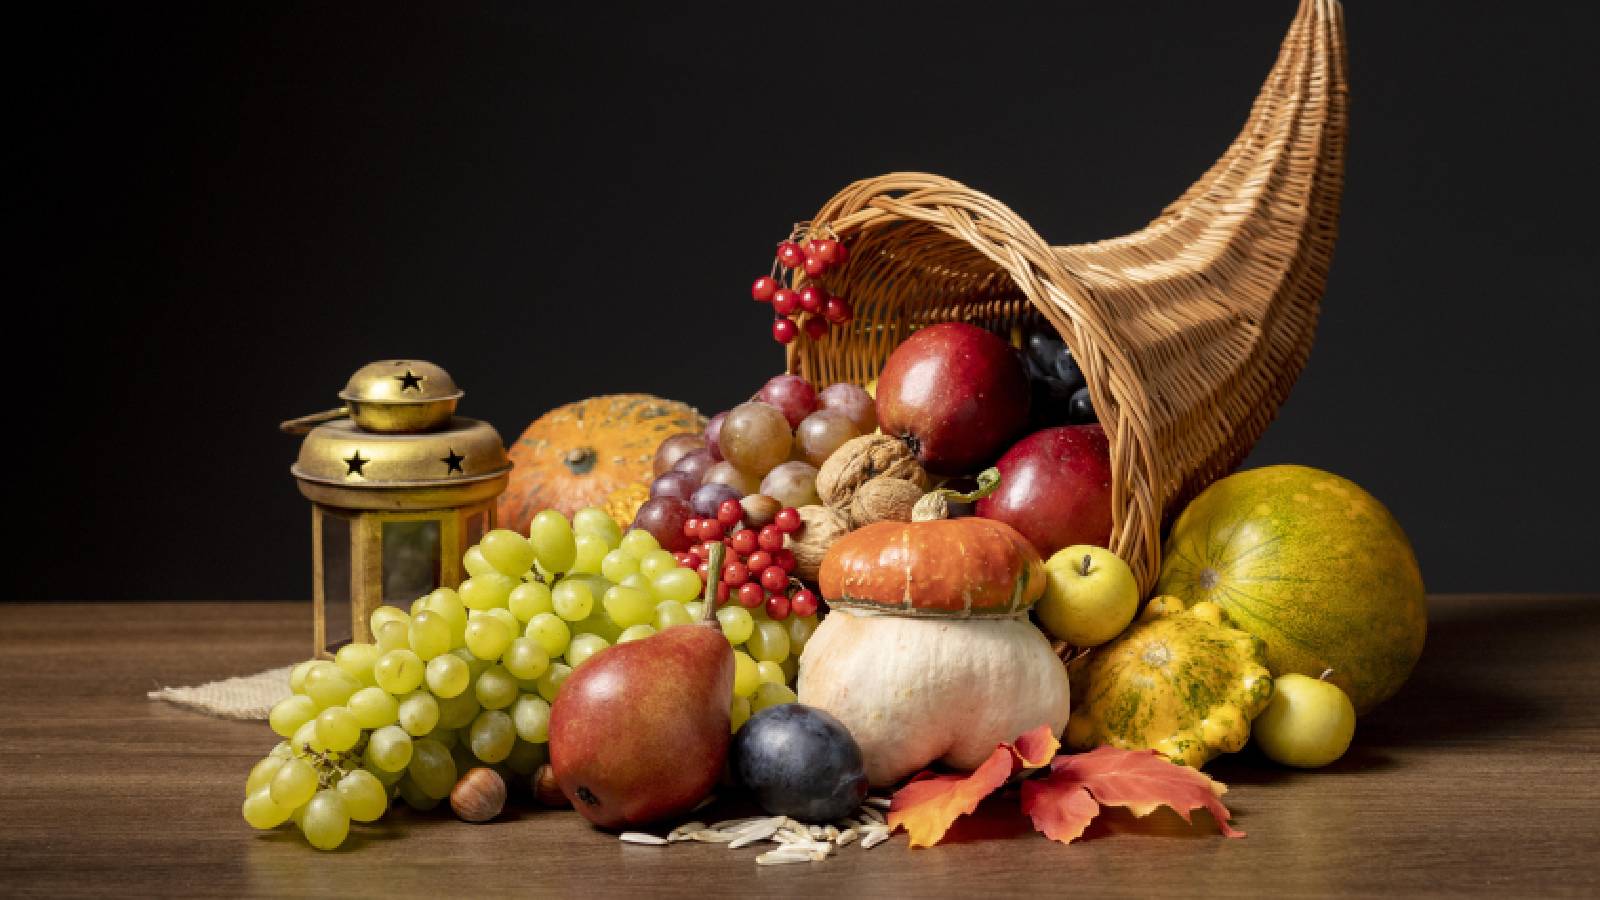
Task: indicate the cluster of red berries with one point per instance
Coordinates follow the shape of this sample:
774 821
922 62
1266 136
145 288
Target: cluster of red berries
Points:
815 257
757 569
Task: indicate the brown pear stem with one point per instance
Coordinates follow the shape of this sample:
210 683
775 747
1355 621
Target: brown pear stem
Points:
714 558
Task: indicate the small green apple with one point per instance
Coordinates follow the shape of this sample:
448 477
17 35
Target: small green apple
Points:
1090 595
1308 723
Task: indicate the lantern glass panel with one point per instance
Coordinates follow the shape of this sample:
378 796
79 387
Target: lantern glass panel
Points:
410 560
335 578
474 528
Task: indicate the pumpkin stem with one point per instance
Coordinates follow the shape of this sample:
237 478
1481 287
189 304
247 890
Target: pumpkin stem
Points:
713 576
579 460
1325 674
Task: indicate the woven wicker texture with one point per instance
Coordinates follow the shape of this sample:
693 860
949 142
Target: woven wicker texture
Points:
1190 331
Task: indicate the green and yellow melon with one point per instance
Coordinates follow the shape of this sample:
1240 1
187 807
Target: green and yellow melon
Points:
1314 566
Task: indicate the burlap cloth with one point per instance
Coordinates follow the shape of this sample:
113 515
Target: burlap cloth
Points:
245 697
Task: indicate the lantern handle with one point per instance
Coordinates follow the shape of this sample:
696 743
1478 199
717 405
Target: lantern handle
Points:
305 423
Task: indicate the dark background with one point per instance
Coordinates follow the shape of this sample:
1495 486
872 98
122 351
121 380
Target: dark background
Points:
231 207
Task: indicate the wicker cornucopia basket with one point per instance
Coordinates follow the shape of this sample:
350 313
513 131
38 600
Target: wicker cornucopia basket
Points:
1190 332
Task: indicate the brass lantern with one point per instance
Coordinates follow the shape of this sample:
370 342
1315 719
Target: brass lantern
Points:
399 486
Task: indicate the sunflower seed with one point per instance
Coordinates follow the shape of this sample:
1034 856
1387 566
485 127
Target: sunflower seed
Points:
874 837
711 837
846 836
872 815
639 837
727 824
781 857
879 802
756 831
682 832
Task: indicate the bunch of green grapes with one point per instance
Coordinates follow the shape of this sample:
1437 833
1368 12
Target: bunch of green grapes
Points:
467 676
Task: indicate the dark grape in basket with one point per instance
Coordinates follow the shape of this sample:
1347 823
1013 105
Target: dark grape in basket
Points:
1081 407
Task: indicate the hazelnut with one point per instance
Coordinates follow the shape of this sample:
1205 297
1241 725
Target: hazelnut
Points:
546 790
479 795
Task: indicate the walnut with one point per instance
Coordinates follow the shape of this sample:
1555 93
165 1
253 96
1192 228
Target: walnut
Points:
883 499
930 506
823 526
862 459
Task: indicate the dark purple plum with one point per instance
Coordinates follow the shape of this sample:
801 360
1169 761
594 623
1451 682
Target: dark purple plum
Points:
800 762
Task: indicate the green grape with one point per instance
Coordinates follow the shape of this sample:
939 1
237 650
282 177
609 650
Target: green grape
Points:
669 613
458 712
618 565
628 606
588 551
383 615
584 646
430 634
447 603
290 713
657 563
448 676
475 666
414 797
531 716
641 582
526 758
491 736
282 750
357 660
771 672
553 544
770 695
364 796
506 618
305 740
297 675
495 688
488 637
594 520
393 636
389 749
487 591
387 779
769 641
525 659
791 668
739 713
326 822
528 599
681 585
330 686
432 769
398 671
636 632
551 631
293 784
374 707
760 613
449 737
262 812
475 563
736 624
696 610
637 542
572 600
419 713
507 551
800 630
550 682
461 754
261 773
338 729
746 675
598 623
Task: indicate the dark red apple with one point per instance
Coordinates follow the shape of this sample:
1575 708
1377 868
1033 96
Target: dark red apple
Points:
1055 488
956 394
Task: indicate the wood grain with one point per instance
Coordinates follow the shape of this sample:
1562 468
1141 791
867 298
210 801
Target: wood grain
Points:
1481 777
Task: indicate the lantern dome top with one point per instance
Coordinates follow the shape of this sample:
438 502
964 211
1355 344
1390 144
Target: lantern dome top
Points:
400 381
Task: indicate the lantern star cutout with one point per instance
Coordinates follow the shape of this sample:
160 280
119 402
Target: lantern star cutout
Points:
453 463
355 464
410 381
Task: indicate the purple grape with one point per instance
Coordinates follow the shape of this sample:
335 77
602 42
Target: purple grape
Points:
674 484
695 465
663 517
708 497
713 434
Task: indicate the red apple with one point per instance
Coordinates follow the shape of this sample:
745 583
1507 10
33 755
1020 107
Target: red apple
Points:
1055 488
956 394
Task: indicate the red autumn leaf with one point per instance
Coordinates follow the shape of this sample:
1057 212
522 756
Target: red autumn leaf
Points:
930 804
1063 803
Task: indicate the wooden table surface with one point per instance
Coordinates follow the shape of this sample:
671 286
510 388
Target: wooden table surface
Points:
1481 777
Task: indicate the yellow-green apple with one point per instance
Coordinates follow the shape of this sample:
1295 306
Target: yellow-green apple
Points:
1090 595
1309 722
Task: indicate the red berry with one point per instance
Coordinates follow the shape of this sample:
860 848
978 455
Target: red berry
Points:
841 253
751 595
784 559
803 603
758 560
770 538
723 592
710 530
814 267
763 289
837 311
787 520
778 607
700 552
685 560
735 573
691 528
743 541
784 331
816 328
812 298
825 250
784 301
774 578
790 255
730 513
703 570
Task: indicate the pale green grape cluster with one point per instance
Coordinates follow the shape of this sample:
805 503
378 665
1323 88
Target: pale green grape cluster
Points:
466 676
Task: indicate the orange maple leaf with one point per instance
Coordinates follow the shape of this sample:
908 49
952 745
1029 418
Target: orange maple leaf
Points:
930 804
1063 803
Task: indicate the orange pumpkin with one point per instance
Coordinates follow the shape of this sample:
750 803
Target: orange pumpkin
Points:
577 455
943 567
